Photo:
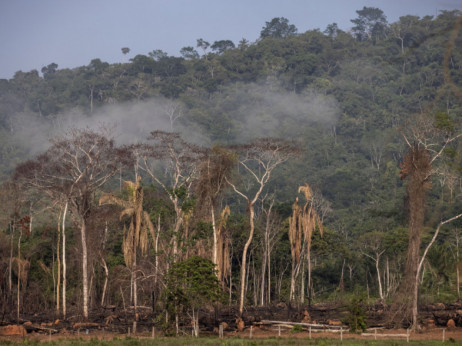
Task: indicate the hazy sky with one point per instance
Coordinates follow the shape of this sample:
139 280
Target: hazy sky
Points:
70 33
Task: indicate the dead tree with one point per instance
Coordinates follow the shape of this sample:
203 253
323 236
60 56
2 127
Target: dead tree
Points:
427 137
371 246
270 229
173 164
73 169
302 224
137 234
258 160
208 188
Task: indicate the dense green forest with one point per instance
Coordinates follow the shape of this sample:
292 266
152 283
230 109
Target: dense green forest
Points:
286 162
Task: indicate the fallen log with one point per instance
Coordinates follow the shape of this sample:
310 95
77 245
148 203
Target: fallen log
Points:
307 325
39 329
11 329
385 335
85 325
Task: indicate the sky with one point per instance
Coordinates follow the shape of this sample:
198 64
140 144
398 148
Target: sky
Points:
70 33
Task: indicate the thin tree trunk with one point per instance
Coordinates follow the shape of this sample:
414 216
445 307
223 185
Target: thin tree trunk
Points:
292 281
134 278
419 268
457 268
64 260
244 259
263 276
255 285
10 263
230 282
197 323
83 234
176 231
377 267
106 269
58 279
215 238
302 285
156 261
388 278
308 260
106 278
268 300
19 275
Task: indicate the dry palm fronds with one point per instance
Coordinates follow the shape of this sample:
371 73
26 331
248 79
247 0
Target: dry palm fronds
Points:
223 242
109 198
140 223
303 223
22 268
295 234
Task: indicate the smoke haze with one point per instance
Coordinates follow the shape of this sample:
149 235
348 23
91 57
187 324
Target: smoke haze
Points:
253 112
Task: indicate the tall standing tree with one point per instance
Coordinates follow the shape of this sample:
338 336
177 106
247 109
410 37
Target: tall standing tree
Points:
302 224
427 138
258 160
180 161
137 234
221 46
278 27
371 24
310 221
209 186
77 165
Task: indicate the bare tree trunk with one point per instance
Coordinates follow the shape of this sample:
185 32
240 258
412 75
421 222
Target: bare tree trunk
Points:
58 279
377 267
230 286
215 237
10 263
156 261
458 280
106 269
64 260
308 260
19 275
269 278
244 258
292 281
388 278
457 267
134 279
418 167
176 231
263 277
106 278
419 268
302 285
255 285
83 234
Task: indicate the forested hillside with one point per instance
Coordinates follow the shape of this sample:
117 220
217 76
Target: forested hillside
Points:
285 162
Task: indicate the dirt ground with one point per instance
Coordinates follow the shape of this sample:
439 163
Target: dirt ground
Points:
255 332
110 324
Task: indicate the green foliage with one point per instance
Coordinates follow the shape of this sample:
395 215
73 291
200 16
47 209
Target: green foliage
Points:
444 122
356 318
192 282
297 328
341 95
279 28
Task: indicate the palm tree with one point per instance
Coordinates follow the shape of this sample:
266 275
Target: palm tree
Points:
309 221
137 234
302 225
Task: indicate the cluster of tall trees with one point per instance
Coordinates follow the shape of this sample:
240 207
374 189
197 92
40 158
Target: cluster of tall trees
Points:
351 205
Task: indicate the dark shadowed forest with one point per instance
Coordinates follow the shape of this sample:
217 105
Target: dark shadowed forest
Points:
303 168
